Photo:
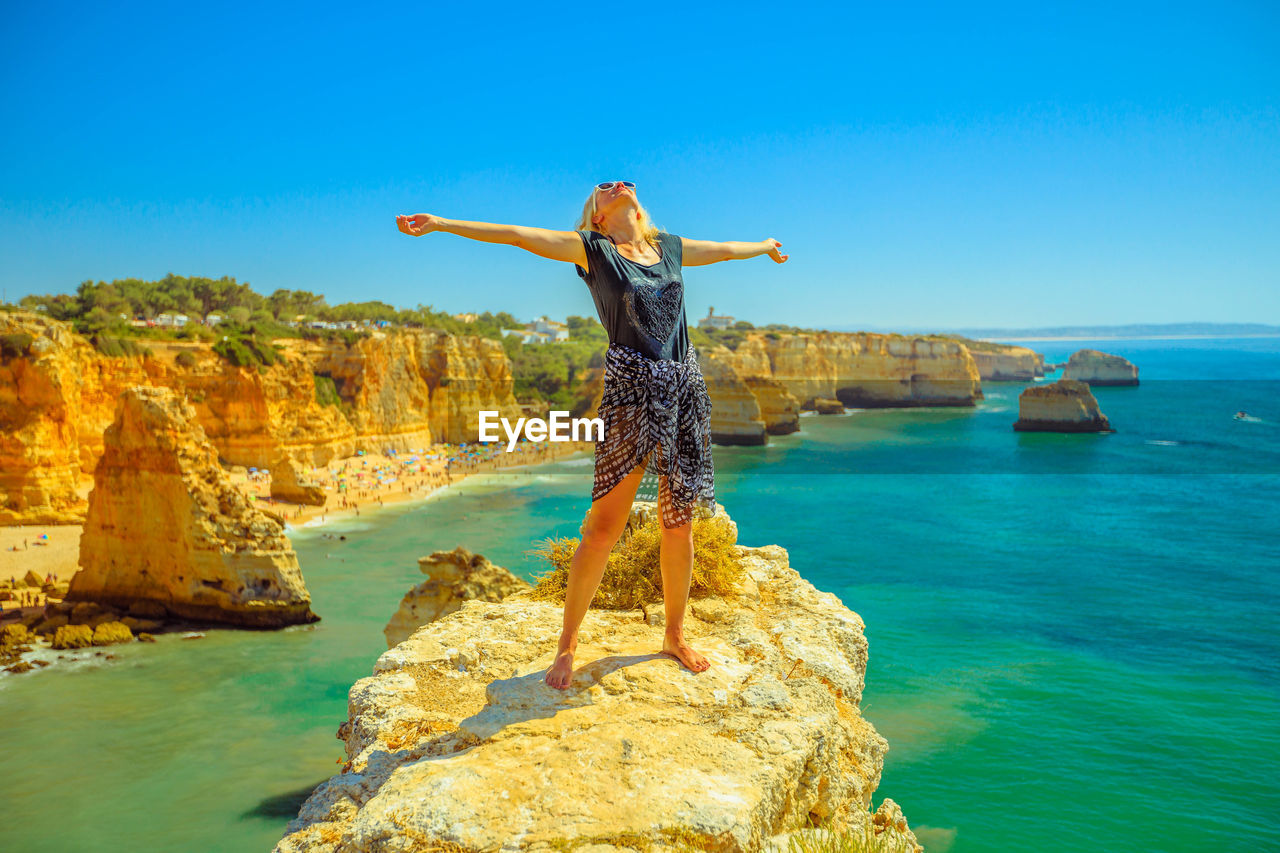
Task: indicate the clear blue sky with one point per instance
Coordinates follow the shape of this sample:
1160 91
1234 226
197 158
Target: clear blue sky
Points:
1017 164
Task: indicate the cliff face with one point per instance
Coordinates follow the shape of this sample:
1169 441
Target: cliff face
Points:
456 739
403 390
40 466
414 387
758 389
166 527
1008 363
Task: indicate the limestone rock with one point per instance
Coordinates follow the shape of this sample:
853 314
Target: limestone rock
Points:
456 738
1100 368
453 577
110 633
1006 362
73 637
39 420
289 482
1063 406
825 406
165 526
403 390
755 389
736 416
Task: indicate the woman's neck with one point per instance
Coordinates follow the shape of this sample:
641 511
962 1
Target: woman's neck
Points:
624 230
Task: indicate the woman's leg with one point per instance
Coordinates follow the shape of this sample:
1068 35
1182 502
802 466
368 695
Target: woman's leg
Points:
676 558
605 523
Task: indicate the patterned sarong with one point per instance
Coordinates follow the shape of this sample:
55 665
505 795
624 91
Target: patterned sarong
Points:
660 405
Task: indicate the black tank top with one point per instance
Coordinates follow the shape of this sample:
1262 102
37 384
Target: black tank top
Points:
640 306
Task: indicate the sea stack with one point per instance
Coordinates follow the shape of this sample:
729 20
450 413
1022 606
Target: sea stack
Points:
166 527
1063 406
1100 368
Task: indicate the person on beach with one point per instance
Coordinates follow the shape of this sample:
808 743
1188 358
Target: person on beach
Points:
655 404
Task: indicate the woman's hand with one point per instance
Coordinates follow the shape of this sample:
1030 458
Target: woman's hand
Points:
417 224
773 251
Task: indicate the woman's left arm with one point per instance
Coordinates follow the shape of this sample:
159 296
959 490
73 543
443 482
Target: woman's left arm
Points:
699 253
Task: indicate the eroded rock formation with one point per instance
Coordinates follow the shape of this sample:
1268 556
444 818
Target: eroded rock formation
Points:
453 578
291 482
1063 406
456 738
1006 362
165 526
1100 368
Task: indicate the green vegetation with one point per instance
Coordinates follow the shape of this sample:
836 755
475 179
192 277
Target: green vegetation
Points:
185 359
551 374
247 349
118 347
633 576
731 338
15 345
982 346
326 390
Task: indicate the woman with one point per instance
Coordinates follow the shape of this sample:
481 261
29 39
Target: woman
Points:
653 389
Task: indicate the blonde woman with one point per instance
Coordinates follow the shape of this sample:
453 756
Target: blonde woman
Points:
655 404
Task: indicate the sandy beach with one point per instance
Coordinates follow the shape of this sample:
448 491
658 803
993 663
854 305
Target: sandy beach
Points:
358 484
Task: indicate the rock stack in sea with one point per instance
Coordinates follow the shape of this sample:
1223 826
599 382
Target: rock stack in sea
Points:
1063 406
1100 368
453 578
456 742
168 534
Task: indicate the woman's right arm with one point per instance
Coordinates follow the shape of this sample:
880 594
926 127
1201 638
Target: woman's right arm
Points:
556 245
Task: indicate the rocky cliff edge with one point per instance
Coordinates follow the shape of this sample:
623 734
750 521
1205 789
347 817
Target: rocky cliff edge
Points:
456 742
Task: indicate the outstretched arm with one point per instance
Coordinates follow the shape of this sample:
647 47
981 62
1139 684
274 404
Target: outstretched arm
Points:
556 245
702 252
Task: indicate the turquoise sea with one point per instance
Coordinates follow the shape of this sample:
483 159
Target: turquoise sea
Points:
1074 638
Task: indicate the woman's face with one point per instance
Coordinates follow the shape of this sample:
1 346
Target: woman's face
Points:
614 198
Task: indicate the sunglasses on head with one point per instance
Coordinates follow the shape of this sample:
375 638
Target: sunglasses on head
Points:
608 185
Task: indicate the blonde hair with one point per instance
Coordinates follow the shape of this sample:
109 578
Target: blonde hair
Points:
647 226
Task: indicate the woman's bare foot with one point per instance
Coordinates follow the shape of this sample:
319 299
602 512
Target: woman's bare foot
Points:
677 646
561 672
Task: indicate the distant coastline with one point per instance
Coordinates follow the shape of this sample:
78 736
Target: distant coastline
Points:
1124 331
1005 338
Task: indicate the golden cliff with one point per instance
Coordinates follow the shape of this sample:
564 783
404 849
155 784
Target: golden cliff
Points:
403 390
1007 363
409 388
759 389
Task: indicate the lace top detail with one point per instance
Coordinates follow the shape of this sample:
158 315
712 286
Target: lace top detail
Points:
654 309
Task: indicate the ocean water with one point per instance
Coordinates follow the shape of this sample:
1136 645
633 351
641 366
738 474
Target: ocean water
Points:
1074 638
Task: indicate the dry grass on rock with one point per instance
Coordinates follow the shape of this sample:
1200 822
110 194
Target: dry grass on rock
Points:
633 574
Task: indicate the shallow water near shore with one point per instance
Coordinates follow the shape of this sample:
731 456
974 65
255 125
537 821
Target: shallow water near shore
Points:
1074 639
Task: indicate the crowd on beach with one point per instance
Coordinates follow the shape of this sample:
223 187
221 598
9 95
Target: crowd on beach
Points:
27 596
376 479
